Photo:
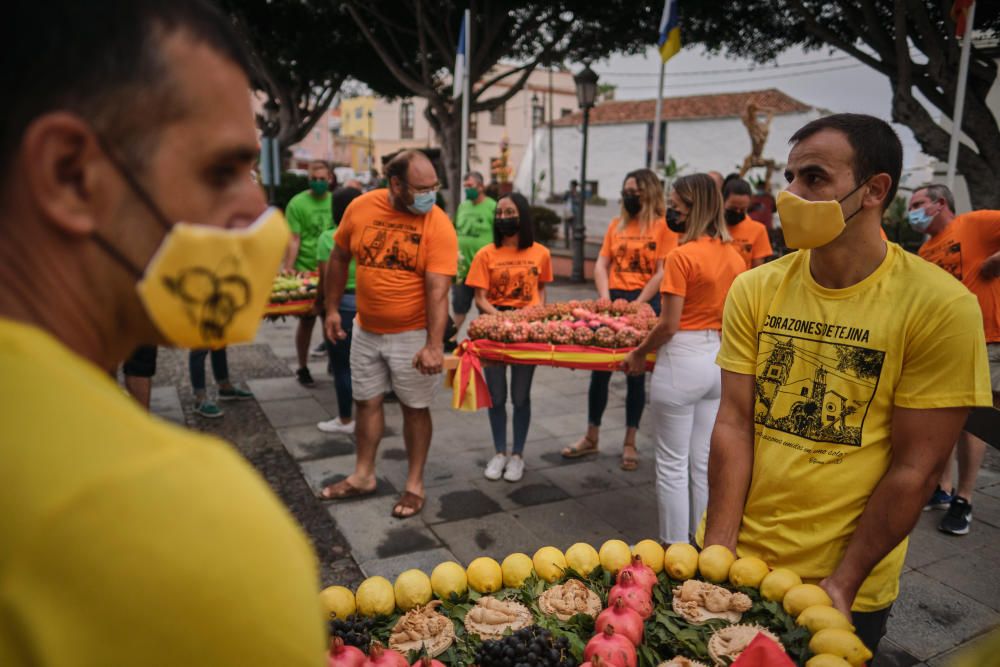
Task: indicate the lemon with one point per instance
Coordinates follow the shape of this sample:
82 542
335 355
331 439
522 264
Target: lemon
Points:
615 555
680 560
485 575
827 660
802 596
774 586
714 563
748 571
516 568
337 602
582 557
412 589
840 642
549 563
375 597
447 578
821 617
651 554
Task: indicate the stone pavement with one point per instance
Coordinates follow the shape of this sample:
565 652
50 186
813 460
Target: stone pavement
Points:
950 588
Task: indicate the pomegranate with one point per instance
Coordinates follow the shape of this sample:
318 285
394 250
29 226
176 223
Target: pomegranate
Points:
342 655
626 621
641 573
378 656
612 648
427 661
633 594
595 662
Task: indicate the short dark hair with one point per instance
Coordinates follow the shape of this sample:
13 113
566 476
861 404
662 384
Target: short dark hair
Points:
526 232
736 186
938 191
877 149
102 60
476 176
340 200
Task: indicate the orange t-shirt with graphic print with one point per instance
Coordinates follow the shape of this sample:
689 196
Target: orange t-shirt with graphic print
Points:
634 252
751 240
702 272
960 249
393 250
510 276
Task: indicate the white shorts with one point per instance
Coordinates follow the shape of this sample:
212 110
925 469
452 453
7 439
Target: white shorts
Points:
380 362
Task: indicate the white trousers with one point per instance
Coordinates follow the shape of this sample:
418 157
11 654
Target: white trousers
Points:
684 398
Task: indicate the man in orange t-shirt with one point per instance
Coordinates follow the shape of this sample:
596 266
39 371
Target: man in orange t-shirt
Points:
749 236
406 253
968 247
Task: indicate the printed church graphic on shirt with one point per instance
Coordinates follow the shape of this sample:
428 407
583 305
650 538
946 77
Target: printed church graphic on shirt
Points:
813 389
630 258
513 281
948 257
389 248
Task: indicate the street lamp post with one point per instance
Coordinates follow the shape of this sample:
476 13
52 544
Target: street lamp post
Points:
271 132
586 94
371 144
534 120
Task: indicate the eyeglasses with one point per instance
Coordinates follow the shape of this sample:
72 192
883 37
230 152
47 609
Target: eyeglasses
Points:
423 191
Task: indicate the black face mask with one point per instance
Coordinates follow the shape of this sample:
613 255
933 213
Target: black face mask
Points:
734 217
631 204
507 226
674 221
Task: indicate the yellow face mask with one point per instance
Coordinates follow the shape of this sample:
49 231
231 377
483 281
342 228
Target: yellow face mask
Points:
208 286
811 224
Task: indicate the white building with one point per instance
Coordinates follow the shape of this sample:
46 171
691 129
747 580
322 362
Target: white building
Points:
701 132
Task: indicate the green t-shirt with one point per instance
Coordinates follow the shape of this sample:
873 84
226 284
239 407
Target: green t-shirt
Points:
474 225
324 248
307 217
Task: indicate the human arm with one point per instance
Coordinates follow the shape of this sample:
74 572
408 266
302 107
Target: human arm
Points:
288 266
652 288
990 268
482 304
666 327
730 460
922 440
431 357
601 271
333 288
541 294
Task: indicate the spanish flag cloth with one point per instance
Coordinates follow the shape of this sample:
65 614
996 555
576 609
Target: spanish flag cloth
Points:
670 31
960 15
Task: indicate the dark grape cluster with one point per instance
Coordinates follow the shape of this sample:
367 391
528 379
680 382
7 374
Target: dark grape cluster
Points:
527 647
354 630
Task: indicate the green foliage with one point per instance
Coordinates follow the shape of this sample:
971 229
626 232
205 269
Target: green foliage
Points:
546 223
291 185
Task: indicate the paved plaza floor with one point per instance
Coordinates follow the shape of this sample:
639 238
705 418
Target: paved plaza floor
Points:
950 587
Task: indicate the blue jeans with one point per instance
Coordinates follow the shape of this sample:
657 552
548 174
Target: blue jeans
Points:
520 396
196 366
635 392
338 357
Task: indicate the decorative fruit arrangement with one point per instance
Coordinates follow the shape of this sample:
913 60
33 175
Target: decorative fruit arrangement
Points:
287 289
614 607
598 323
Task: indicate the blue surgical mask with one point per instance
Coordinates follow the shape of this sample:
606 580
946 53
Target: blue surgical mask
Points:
919 219
422 203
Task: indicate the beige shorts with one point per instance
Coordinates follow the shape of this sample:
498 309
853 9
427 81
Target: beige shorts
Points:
380 362
993 352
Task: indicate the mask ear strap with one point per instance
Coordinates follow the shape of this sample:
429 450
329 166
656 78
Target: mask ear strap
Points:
117 255
134 185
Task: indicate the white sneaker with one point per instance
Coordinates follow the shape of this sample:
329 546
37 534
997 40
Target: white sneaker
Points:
336 426
494 469
515 469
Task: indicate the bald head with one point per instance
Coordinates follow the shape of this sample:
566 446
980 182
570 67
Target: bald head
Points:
409 173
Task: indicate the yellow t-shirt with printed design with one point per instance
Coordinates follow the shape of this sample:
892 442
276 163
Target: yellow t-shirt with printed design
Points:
125 540
830 366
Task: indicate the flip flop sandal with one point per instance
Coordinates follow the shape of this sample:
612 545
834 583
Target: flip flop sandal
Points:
629 462
579 449
343 490
408 501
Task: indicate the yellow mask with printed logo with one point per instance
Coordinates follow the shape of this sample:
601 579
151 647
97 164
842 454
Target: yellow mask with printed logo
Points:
207 287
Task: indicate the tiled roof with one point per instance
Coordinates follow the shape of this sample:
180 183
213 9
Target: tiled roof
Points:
720 105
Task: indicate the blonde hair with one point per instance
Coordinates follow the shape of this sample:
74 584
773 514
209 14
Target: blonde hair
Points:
653 201
704 201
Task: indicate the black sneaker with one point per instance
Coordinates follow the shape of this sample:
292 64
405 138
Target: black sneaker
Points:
940 499
958 518
305 377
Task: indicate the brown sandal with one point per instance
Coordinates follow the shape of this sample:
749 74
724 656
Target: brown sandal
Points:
582 447
408 501
629 461
343 490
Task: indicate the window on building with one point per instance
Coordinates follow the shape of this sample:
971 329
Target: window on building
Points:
358 112
498 116
406 119
565 112
538 115
473 125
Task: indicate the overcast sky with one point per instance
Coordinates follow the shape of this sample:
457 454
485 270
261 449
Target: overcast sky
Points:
832 81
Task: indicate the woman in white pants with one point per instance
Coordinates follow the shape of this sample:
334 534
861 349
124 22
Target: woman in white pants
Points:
686 383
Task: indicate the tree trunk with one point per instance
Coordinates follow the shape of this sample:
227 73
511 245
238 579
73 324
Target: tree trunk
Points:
447 126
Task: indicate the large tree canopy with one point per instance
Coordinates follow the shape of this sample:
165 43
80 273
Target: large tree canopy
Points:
524 33
910 41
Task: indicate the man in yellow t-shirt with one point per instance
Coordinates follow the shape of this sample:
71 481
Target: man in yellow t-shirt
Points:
125 540
844 386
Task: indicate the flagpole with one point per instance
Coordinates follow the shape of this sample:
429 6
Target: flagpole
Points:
466 93
654 159
963 75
